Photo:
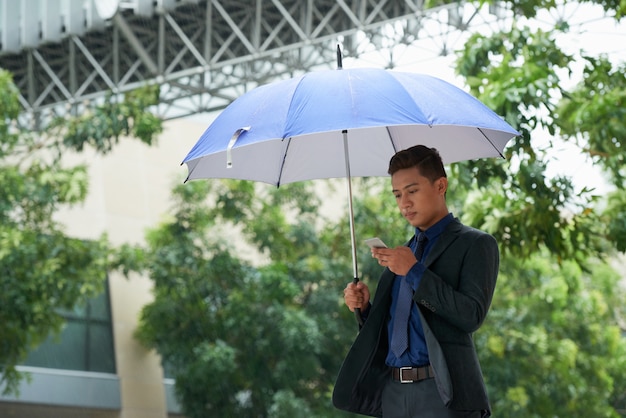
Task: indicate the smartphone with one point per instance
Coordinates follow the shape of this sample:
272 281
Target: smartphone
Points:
375 243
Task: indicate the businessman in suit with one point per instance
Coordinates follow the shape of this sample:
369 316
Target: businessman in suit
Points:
414 355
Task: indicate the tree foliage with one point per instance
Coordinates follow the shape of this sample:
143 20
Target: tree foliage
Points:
243 340
552 345
42 269
555 337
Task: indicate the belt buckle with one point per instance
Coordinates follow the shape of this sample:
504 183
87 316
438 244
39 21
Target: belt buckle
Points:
402 380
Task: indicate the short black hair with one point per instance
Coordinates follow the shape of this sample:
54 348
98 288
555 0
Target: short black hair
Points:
426 160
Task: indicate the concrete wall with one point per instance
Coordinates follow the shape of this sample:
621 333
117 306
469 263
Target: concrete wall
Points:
129 191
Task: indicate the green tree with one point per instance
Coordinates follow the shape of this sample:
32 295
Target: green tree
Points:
41 268
552 345
243 340
555 335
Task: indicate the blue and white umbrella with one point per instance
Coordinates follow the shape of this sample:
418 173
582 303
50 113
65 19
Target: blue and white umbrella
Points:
343 123
292 130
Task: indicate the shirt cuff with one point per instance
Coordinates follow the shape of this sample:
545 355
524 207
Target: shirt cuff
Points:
414 276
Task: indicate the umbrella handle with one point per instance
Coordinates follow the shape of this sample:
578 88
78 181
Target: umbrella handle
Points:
357 311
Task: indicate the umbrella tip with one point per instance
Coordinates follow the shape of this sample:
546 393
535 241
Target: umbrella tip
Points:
339 63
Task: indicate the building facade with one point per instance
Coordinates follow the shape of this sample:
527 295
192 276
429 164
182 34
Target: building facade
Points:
97 369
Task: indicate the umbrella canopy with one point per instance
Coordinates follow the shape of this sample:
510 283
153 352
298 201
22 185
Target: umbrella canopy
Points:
292 130
343 123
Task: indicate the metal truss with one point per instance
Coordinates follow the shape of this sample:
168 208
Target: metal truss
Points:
206 53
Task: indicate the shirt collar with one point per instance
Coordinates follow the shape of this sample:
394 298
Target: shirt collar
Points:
436 230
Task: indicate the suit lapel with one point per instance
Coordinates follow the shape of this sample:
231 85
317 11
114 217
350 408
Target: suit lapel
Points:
447 237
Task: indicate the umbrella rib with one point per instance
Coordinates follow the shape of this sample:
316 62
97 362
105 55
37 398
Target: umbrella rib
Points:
391 140
191 170
282 165
492 144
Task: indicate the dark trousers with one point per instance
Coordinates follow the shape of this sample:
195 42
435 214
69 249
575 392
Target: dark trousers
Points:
418 400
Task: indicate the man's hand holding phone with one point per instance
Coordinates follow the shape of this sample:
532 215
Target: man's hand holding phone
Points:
399 260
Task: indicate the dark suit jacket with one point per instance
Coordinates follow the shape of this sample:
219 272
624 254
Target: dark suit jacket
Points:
454 296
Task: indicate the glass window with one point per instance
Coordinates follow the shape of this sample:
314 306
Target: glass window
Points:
85 343
168 370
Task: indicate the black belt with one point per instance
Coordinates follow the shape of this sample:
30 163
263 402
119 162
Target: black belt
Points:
412 374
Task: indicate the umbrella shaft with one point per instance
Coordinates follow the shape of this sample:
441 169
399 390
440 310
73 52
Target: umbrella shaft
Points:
350 210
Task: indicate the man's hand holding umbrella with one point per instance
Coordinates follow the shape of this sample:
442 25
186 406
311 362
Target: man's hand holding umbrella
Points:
357 296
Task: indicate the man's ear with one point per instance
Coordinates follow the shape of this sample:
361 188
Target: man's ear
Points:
442 185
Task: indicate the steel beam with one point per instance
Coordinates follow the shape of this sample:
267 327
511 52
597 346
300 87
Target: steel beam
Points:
205 53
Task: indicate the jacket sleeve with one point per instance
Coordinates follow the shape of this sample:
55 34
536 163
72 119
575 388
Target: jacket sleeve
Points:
458 287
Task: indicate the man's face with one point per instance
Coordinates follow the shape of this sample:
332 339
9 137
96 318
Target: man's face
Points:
421 202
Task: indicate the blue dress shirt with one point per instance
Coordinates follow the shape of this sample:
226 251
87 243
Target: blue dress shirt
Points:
417 353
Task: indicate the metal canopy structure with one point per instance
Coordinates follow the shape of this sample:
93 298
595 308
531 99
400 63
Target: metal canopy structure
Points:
202 53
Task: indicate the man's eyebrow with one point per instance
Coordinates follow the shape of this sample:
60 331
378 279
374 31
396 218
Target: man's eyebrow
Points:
404 188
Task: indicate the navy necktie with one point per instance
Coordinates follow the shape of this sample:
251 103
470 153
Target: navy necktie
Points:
400 332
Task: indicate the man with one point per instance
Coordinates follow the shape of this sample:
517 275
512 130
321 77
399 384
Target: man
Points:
449 286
